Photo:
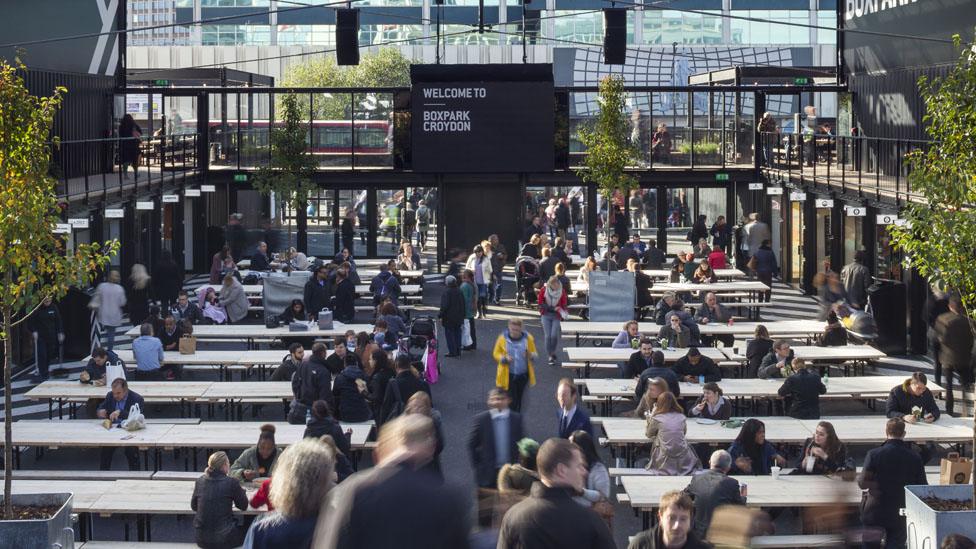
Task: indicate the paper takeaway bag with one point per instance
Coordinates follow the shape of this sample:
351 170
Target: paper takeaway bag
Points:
954 469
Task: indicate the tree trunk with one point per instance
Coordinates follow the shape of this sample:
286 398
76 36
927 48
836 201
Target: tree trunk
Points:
8 453
302 218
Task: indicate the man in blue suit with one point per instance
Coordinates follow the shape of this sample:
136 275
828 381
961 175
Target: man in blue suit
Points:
116 407
571 417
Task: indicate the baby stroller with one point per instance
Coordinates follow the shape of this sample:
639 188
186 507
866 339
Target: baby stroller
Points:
420 344
526 276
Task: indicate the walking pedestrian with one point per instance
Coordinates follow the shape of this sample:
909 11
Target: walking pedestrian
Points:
423 224
470 293
571 416
137 294
481 267
887 470
108 301
130 145
856 278
763 262
493 440
452 315
515 352
953 331
549 518
553 310
499 256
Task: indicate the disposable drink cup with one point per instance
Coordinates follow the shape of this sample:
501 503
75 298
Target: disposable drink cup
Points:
775 471
743 489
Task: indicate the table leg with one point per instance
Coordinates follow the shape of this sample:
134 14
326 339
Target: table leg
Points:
145 457
60 408
586 366
50 408
577 339
147 520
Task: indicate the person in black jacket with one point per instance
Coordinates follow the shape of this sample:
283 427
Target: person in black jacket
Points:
653 257
322 422
260 261
694 365
316 295
802 391
650 364
642 285
756 350
313 381
452 316
711 489
400 389
168 279
184 310
349 389
835 334
382 373
550 517
170 335
913 393
115 408
214 496
396 503
483 447
289 365
344 302
95 369
341 357
887 470
48 331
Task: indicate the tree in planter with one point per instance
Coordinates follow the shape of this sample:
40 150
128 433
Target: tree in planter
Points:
609 151
34 264
939 238
289 174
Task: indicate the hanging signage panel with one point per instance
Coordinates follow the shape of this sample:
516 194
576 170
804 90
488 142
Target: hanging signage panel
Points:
114 213
483 126
825 203
856 211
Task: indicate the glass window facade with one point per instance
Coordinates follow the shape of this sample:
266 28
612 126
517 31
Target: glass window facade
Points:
586 26
311 35
235 35
668 27
768 32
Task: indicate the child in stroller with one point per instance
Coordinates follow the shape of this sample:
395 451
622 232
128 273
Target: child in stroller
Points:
420 344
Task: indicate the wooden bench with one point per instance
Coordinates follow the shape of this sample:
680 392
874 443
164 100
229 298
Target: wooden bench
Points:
797 540
580 366
140 545
26 474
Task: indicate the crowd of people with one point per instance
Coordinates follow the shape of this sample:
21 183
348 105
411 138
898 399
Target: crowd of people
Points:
552 492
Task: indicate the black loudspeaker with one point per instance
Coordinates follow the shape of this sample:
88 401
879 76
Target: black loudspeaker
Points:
614 36
347 36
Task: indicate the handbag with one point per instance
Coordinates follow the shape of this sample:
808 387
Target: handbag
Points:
466 340
751 265
113 372
272 321
188 345
136 420
297 413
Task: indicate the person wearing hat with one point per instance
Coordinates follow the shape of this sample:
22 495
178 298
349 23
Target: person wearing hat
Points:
452 316
517 478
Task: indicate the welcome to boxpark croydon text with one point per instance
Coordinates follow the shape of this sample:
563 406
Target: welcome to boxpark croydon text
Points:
449 121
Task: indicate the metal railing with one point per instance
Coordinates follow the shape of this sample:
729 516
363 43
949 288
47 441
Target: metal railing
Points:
91 168
873 167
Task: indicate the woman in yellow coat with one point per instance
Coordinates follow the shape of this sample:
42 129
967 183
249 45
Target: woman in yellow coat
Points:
515 351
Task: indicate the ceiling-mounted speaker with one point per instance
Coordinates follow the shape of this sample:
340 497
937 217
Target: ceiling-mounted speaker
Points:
614 36
347 36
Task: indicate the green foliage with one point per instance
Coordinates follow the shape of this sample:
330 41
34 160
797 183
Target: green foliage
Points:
940 237
289 174
700 148
386 68
609 150
34 264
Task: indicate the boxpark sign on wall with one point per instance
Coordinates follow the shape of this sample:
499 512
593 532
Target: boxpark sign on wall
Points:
496 119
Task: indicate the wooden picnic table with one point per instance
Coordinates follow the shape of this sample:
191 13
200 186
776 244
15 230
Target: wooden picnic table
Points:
222 360
717 287
644 492
777 328
250 332
159 436
587 355
72 392
628 433
857 354
257 290
864 387
665 274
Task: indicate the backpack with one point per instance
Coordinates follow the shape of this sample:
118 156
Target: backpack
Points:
423 215
398 407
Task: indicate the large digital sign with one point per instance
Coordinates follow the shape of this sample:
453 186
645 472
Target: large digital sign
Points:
483 126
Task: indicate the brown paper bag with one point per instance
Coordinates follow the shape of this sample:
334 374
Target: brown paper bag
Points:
954 469
188 345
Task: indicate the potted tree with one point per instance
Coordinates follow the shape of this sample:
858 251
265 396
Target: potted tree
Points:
34 266
938 239
609 151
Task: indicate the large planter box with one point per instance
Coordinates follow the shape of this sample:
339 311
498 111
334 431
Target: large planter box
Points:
927 527
56 531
